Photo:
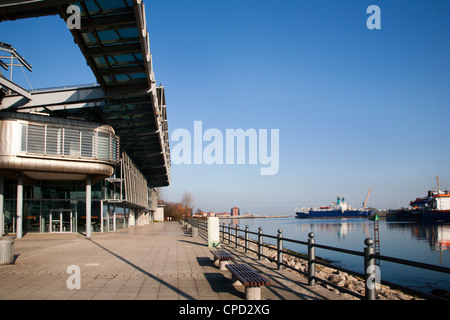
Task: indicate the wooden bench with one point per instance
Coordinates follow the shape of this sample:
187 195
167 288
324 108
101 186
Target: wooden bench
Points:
222 257
249 278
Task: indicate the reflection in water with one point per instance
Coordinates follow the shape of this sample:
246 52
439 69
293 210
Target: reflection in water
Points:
436 234
443 237
340 230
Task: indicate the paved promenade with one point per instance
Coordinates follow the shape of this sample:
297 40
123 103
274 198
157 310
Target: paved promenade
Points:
154 262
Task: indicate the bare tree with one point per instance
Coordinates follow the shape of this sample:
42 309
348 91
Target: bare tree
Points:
188 200
158 192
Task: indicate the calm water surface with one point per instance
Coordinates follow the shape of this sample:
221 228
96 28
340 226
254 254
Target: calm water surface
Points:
406 240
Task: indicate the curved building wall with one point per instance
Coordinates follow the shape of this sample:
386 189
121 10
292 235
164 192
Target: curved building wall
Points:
44 144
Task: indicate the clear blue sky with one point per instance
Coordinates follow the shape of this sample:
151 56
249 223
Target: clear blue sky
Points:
355 108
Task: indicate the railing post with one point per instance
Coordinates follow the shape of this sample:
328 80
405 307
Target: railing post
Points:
229 232
311 258
223 232
370 270
246 239
279 249
260 239
236 235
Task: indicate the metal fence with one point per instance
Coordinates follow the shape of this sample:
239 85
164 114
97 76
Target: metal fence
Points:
370 275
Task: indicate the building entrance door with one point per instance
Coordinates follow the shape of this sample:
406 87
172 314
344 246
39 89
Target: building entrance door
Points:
62 220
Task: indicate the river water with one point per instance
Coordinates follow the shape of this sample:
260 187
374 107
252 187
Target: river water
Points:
428 243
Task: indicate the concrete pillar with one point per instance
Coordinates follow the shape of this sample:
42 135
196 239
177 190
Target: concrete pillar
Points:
2 215
222 264
88 206
213 232
19 206
194 232
252 293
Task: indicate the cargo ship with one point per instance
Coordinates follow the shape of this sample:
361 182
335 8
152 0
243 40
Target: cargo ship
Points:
338 209
435 206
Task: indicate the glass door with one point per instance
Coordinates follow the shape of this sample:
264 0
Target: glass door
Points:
55 221
61 221
66 221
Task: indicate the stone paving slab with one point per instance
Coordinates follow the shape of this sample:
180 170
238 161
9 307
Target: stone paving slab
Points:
154 262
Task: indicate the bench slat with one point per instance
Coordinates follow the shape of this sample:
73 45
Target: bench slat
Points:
222 255
247 276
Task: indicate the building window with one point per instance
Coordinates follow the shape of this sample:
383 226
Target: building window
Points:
23 144
54 141
87 144
36 139
72 142
49 140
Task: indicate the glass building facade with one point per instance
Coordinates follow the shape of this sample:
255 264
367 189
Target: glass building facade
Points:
60 206
61 175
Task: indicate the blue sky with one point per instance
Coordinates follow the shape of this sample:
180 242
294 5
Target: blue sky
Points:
355 108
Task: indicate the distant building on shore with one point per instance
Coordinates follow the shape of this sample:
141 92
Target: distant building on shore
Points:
201 214
235 211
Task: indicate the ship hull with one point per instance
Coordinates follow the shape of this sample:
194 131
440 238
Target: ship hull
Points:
317 214
436 215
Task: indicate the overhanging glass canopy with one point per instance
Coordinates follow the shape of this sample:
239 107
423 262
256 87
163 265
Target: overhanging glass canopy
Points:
114 41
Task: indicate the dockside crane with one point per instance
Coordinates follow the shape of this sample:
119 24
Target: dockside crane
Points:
367 199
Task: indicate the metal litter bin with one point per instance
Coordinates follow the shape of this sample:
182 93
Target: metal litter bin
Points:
6 250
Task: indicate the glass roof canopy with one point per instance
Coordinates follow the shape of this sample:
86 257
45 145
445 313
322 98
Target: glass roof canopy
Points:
114 41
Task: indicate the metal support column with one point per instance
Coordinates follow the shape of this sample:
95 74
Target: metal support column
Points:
370 270
279 249
101 216
2 215
246 239
88 206
19 207
114 219
260 242
311 259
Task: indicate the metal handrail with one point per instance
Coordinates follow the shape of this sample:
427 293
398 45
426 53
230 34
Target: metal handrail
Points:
370 274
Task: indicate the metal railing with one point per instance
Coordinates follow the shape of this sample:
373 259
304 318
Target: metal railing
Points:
199 223
370 275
